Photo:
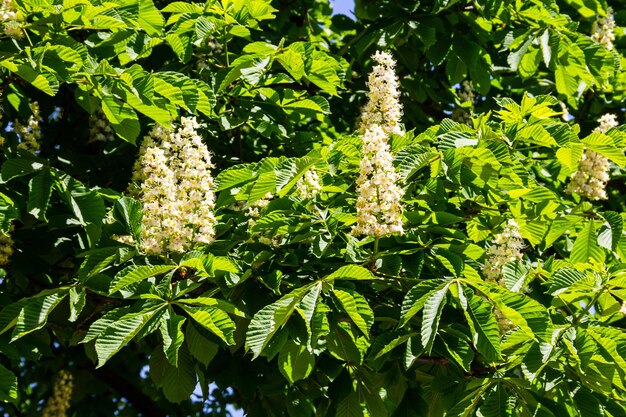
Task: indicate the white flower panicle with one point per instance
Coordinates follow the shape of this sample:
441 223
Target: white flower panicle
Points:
30 133
100 129
591 178
467 93
606 122
6 248
506 247
309 185
603 30
9 19
59 402
593 169
383 107
253 210
176 189
379 211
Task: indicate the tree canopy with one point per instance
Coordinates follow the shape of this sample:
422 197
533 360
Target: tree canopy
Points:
260 205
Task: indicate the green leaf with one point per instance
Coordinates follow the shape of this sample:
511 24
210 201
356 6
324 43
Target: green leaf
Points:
611 231
295 362
172 334
357 308
34 314
181 45
269 319
78 297
586 246
214 320
417 296
350 406
8 386
411 159
13 168
122 117
352 273
128 212
562 279
199 346
39 191
485 331
514 274
433 306
119 333
179 381
149 18
136 273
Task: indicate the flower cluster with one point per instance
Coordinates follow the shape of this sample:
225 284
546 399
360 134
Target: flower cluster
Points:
176 189
6 248
593 169
9 18
506 247
603 30
59 402
606 122
379 212
100 129
309 185
30 133
253 210
383 107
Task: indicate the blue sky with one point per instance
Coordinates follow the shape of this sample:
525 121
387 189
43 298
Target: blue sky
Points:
343 7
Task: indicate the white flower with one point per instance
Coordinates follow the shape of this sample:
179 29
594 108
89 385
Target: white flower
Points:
59 402
309 185
623 308
607 122
379 211
100 129
383 107
29 134
176 189
467 93
505 247
603 29
6 248
10 20
593 169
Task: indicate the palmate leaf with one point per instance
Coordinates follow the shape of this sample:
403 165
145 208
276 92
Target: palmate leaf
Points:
269 319
199 346
357 308
562 279
611 231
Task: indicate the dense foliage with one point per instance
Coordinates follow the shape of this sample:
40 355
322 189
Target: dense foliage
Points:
211 204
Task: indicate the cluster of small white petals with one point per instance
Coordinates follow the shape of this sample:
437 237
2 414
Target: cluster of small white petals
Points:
274 241
603 30
176 189
591 178
59 402
100 129
593 169
383 107
379 211
309 185
9 18
254 210
606 122
506 247
6 248
30 133
623 308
